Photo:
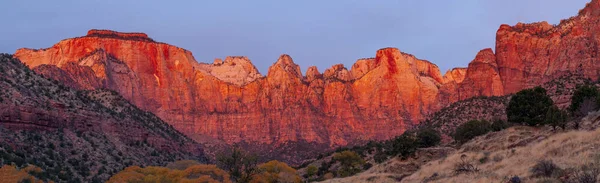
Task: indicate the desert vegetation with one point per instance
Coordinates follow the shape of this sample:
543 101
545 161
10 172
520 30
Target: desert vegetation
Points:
191 173
348 162
543 153
529 107
233 166
11 173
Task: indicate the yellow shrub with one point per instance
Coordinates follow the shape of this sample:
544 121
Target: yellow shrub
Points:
275 171
195 173
10 174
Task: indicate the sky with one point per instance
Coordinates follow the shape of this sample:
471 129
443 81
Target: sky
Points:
448 33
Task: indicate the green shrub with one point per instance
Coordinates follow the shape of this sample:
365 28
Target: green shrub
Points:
556 117
380 157
311 170
585 99
403 145
471 129
515 179
499 125
529 106
324 168
428 137
544 168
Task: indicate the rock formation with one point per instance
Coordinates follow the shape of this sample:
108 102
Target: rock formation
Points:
230 100
378 98
482 77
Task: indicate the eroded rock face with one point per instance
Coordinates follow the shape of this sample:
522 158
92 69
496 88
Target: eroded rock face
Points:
456 75
236 70
339 72
231 101
530 54
482 77
362 67
378 98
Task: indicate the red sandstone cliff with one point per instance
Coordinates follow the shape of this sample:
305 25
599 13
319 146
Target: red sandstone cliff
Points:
232 101
528 54
377 98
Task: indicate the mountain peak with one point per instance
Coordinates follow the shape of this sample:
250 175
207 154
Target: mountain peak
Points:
388 57
485 56
312 73
285 64
285 59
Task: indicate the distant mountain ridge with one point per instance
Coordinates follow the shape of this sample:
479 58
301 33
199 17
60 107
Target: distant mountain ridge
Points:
378 98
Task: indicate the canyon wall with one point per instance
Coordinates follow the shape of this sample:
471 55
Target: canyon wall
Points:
378 98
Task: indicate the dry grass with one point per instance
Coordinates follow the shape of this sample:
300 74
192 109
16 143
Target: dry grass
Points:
376 177
514 152
395 169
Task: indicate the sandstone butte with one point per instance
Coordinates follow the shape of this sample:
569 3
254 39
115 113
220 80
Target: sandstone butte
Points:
378 98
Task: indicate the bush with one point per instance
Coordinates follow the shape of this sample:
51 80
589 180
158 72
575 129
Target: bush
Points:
428 137
464 166
196 173
239 164
403 145
585 99
499 125
367 166
515 179
556 117
311 170
380 157
351 163
529 106
275 171
544 168
485 158
588 173
471 129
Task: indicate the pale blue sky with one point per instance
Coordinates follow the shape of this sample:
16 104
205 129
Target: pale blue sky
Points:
323 33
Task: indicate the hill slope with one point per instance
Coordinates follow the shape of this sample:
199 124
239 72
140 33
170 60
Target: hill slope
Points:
75 135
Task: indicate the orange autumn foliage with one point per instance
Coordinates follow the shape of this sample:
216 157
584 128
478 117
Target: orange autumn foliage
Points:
276 171
10 174
195 173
